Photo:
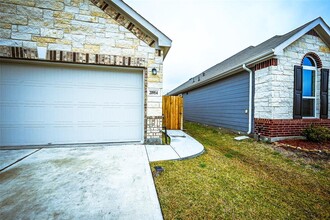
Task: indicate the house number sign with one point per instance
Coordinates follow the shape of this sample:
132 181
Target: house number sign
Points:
154 92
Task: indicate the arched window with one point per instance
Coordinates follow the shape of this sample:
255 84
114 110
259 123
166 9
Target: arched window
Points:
305 84
309 87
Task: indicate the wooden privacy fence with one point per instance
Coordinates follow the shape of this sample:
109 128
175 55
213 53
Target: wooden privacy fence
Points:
173 112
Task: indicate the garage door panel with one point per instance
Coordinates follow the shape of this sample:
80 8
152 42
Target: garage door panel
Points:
13 114
8 112
35 114
88 116
128 114
60 95
43 104
8 134
10 92
134 132
91 95
112 133
86 134
64 134
135 97
23 93
61 114
34 134
112 114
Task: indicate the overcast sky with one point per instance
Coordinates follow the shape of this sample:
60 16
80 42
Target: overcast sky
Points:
205 32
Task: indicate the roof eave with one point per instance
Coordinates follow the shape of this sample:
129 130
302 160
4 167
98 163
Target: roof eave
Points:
230 72
321 27
215 78
166 50
163 40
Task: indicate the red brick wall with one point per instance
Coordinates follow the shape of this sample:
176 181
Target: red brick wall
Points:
285 127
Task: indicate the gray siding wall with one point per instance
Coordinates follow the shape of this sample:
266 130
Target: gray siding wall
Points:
222 103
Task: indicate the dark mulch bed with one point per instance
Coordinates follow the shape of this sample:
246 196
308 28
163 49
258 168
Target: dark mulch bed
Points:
307 145
306 148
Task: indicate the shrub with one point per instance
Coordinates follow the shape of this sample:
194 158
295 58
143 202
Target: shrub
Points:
317 133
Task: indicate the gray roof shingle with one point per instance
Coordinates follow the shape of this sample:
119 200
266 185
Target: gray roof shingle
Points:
245 56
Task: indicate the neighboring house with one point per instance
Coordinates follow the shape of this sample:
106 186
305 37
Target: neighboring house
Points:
79 71
275 89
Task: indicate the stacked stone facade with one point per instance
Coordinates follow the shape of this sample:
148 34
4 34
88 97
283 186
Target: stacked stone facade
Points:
84 32
274 90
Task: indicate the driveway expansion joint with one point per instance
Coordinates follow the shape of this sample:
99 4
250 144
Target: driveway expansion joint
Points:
176 152
6 167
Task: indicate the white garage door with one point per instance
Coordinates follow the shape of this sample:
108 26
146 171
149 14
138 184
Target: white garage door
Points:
56 104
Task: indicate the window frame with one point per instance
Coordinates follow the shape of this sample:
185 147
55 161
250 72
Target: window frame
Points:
314 72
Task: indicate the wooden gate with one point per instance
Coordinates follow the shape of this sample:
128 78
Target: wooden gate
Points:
173 112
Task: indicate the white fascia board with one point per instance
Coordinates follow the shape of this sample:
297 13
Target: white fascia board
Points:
279 49
163 40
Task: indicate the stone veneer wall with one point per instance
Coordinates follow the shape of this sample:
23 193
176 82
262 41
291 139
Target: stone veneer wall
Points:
80 31
274 89
274 84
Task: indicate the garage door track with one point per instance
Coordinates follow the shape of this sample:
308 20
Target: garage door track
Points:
112 182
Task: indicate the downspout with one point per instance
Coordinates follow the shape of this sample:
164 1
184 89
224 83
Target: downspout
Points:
250 98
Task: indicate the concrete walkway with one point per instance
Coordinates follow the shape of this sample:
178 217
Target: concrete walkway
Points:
182 147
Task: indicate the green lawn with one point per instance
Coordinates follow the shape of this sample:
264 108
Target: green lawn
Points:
242 180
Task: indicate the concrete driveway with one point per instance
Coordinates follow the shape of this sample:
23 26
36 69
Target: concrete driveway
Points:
110 182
